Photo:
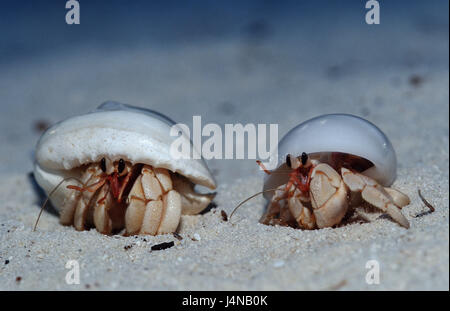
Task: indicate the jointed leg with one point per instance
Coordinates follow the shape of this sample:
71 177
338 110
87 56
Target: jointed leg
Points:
275 205
103 202
302 214
400 199
192 202
376 195
87 198
154 207
328 196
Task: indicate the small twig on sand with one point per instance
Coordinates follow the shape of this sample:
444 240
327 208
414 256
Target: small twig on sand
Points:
162 246
337 286
177 236
431 207
224 215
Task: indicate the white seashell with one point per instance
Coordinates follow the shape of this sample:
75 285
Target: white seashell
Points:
114 131
337 133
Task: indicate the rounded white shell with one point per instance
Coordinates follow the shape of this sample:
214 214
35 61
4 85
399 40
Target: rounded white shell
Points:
115 131
337 133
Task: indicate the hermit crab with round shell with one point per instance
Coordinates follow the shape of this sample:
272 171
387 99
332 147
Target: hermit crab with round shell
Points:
112 169
327 166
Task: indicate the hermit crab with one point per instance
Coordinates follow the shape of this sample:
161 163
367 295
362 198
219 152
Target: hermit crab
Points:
327 166
112 169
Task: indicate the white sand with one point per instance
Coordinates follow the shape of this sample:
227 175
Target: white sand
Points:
279 79
238 255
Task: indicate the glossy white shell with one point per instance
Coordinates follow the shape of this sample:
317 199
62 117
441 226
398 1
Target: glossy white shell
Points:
115 131
337 133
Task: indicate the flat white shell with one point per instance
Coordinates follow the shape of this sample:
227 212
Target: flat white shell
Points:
115 131
337 133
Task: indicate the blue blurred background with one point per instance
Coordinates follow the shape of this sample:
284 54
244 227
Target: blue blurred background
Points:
34 28
228 61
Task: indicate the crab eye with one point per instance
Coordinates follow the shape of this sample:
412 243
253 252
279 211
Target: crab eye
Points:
121 166
288 161
103 165
304 158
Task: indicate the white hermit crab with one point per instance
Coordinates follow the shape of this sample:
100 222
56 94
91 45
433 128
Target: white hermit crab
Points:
112 169
326 166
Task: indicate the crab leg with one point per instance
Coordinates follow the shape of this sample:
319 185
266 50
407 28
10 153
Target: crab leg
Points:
136 208
376 195
85 199
328 196
302 214
102 220
275 205
191 201
70 204
154 207
400 199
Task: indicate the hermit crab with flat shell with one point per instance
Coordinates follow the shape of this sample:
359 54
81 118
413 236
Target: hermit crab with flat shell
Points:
112 169
327 166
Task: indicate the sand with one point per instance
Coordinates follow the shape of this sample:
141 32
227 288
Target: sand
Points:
287 70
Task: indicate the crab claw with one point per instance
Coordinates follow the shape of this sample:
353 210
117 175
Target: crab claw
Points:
328 196
191 201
